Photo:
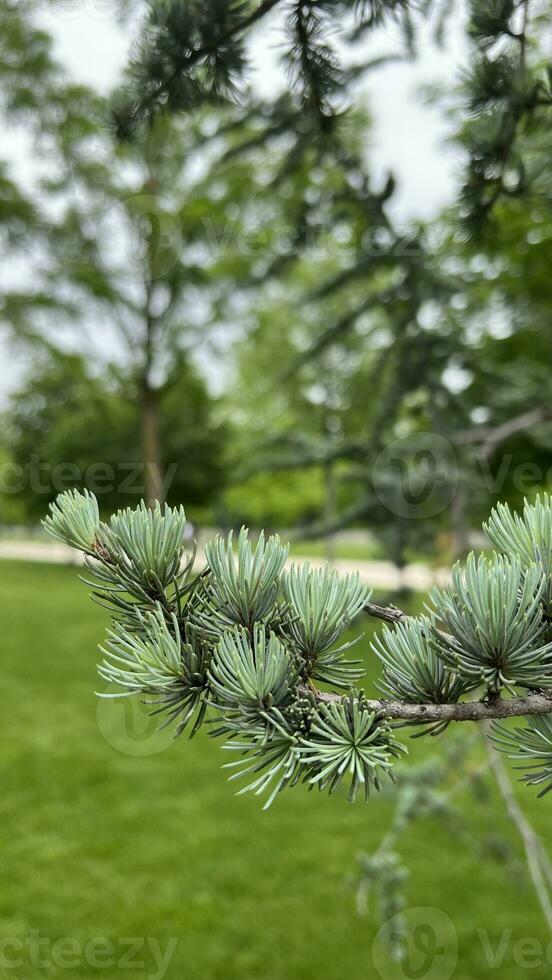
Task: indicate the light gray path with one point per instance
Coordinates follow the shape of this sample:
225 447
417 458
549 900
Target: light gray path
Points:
380 574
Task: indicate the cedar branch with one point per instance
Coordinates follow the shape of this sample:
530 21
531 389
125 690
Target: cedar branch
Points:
533 704
538 703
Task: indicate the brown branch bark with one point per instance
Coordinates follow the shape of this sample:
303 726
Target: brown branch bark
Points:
533 704
149 405
151 444
488 438
389 614
538 703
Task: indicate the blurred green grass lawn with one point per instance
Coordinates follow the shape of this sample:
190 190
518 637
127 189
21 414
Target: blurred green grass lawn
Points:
346 550
98 842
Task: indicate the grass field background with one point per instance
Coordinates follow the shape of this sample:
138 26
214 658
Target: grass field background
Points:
109 833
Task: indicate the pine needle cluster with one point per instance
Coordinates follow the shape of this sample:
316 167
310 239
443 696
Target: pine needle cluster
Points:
243 643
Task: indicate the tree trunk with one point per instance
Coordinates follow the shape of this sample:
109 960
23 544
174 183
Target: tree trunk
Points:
329 510
151 439
151 445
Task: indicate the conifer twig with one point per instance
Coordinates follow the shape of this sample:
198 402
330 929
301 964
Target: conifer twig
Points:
533 704
534 850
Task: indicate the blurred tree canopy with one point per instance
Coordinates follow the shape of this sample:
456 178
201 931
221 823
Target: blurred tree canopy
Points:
69 428
138 244
190 224
189 53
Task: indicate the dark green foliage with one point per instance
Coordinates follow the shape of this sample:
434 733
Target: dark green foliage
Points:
191 52
28 69
313 65
509 94
28 100
70 428
371 299
18 214
491 18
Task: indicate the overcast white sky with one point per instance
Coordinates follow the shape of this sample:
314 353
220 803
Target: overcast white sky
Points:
408 137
